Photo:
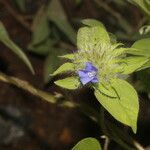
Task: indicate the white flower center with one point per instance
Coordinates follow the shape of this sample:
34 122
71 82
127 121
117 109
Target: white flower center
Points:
91 74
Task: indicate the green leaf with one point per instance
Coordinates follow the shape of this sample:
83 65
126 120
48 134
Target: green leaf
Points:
106 89
90 38
5 39
142 47
146 65
64 68
21 4
70 83
88 144
138 52
68 56
125 107
118 51
92 23
42 49
143 4
113 38
52 62
132 64
40 27
57 15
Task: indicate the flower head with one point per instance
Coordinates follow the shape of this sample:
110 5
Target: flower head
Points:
89 74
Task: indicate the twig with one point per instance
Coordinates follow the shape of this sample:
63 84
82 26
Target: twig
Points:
39 93
138 146
123 23
15 14
107 141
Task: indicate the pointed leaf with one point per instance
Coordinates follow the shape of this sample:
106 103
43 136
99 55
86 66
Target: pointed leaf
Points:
92 23
140 47
88 144
125 108
5 39
57 15
64 68
118 51
146 65
40 27
107 90
52 62
70 83
132 64
92 38
42 49
68 56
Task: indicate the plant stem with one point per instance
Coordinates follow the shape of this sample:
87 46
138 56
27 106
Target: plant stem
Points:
15 14
34 91
107 141
27 87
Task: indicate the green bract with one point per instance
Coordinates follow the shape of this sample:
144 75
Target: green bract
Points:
113 62
88 144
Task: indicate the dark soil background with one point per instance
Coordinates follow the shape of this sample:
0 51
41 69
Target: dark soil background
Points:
29 123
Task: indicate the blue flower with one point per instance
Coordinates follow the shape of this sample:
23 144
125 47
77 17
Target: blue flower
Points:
89 74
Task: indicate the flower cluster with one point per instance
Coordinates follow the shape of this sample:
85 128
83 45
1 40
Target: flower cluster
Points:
89 74
101 63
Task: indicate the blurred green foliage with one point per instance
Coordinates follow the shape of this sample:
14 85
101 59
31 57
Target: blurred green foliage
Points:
53 35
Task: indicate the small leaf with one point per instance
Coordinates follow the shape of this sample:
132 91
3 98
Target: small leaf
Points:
106 89
92 23
118 51
132 64
91 38
113 38
57 15
4 38
40 27
125 107
68 56
42 49
141 47
70 83
64 68
52 62
88 144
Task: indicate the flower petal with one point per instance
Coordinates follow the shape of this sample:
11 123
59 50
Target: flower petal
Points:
89 67
85 80
94 80
82 73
